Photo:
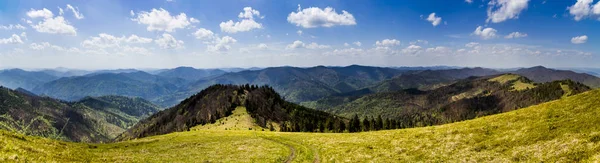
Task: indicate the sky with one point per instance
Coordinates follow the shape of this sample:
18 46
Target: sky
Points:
110 34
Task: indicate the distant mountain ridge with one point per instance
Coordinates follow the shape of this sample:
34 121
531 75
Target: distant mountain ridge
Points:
543 74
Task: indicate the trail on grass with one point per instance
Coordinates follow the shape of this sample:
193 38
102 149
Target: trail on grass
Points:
297 149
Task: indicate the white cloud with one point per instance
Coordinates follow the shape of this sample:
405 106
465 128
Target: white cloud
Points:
346 44
262 46
167 41
596 8
434 19
316 46
439 50
487 33
424 42
75 11
471 44
249 13
194 20
580 9
204 34
357 43
583 8
161 20
299 32
579 39
14 39
469 1
502 10
299 44
221 44
11 27
43 13
387 43
315 17
135 50
348 51
56 25
246 24
131 13
296 44
515 35
104 40
412 49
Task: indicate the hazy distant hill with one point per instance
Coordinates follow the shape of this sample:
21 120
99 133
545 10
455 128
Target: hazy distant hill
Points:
428 79
297 84
93 119
264 105
15 78
190 73
542 74
137 84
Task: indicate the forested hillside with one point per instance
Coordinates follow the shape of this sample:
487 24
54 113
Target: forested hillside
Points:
265 106
94 119
465 99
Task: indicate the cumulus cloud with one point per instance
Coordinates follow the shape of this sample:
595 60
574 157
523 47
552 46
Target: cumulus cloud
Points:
439 50
487 33
412 49
167 41
11 27
357 43
579 39
515 35
75 11
469 1
14 39
387 43
246 24
583 8
221 44
161 20
50 24
43 13
299 32
434 19
55 25
502 10
316 17
104 40
299 44
204 34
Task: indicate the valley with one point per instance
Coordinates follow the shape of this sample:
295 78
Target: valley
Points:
561 130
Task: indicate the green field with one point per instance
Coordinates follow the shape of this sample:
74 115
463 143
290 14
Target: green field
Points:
566 130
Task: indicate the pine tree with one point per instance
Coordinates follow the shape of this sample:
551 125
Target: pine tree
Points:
366 124
379 123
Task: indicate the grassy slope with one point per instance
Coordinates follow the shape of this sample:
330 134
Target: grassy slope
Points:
238 120
562 130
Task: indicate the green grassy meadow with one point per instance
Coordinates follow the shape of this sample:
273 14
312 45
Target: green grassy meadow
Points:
565 130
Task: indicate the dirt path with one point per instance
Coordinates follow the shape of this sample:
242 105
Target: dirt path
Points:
302 151
292 155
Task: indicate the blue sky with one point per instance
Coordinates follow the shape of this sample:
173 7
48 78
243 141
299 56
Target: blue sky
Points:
101 34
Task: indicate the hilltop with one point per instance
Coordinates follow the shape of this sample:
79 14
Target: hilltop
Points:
265 106
564 130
